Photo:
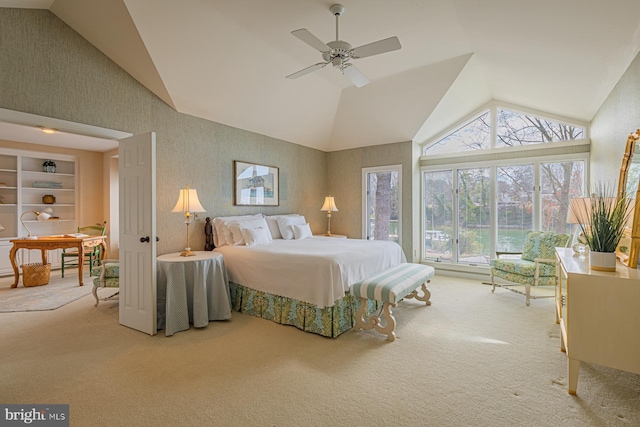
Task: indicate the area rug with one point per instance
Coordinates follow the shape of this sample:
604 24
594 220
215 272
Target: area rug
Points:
56 294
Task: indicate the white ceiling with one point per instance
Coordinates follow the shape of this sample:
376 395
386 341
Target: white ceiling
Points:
34 135
226 61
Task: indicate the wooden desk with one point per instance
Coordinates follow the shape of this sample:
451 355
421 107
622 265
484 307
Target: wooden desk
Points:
46 243
598 314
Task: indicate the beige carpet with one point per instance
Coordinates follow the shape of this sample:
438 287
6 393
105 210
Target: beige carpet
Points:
472 358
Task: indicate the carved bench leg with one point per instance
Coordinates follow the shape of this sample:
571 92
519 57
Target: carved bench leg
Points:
390 322
361 322
374 321
426 294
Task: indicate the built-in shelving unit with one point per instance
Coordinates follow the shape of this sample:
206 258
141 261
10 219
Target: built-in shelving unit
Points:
24 183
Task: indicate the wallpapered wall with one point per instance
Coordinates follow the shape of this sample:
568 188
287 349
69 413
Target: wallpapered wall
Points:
345 182
618 116
46 68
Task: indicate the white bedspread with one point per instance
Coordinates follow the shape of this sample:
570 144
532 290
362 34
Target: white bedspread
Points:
318 270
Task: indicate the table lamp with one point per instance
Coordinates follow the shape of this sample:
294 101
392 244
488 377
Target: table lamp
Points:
188 203
40 216
328 207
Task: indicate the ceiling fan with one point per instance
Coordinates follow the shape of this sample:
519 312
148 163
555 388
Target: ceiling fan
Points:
338 53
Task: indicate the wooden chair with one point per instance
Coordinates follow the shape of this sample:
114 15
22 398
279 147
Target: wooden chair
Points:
536 265
92 256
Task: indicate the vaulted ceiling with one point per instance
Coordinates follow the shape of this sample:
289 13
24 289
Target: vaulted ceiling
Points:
226 61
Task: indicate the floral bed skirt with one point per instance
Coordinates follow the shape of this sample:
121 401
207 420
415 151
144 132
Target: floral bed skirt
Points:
329 321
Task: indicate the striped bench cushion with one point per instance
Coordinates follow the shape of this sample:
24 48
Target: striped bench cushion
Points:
394 283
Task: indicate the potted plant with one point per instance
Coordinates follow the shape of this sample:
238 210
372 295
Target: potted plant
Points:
49 166
605 218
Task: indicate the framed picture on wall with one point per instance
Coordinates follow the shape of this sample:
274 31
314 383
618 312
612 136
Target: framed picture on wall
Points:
256 185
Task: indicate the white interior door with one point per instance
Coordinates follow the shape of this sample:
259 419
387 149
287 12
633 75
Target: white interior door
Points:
137 235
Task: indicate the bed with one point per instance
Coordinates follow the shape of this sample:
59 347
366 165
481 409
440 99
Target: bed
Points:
279 271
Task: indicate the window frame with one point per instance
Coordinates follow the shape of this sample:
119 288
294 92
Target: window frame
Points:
493 165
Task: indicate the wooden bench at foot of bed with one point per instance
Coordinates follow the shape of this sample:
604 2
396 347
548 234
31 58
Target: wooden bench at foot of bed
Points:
389 287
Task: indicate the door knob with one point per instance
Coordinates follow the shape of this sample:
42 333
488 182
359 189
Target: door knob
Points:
144 239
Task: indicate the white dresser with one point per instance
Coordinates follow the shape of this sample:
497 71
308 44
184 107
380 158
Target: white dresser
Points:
599 314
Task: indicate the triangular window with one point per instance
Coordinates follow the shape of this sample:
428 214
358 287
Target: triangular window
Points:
513 129
474 135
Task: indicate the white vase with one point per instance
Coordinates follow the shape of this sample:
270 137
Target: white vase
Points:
602 261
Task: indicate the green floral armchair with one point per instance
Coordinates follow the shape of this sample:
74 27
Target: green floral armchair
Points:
536 265
108 277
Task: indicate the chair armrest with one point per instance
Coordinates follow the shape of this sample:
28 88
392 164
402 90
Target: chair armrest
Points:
545 260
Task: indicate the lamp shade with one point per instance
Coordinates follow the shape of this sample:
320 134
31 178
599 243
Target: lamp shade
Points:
329 205
188 201
40 216
579 210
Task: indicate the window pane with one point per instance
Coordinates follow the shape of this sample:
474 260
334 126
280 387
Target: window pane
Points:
514 194
560 182
383 200
473 215
515 129
472 136
633 177
438 215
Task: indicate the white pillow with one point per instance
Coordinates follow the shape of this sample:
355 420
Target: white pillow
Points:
286 223
301 231
236 234
256 236
235 229
220 225
272 222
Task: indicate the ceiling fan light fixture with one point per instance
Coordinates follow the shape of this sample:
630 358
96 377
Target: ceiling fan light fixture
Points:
355 75
339 52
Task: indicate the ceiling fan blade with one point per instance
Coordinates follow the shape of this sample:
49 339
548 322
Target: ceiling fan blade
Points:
306 36
376 48
307 70
355 75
